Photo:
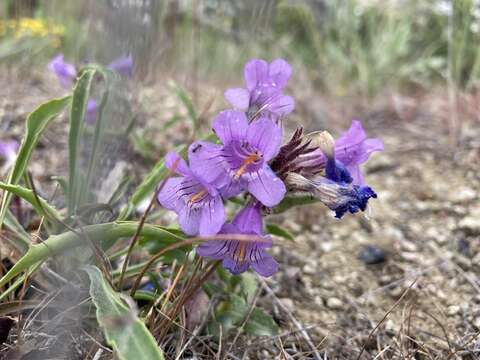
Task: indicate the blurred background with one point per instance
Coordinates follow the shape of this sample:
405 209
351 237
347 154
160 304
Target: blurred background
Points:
408 69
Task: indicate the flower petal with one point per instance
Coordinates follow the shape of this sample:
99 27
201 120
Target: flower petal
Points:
279 72
353 147
230 125
171 159
239 98
266 136
91 113
168 197
255 72
213 217
356 174
207 163
234 267
249 220
65 72
265 265
231 189
189 219
123 65
281 105
266 187
214 249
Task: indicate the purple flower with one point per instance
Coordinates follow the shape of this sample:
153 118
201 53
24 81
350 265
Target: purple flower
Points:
238 255
123 65
65 72
8 152
264 84
340 197
353 148
197 203
241 163
91 113
342 162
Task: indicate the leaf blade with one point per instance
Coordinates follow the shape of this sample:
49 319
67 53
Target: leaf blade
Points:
36 123
128 336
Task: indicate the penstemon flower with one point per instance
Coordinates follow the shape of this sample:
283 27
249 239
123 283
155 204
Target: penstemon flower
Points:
197 203
264 85
251 160
238 255
337 196
350 150
65 72
241 163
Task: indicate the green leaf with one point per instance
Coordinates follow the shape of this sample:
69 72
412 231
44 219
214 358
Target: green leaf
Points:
291 201
41 206
21 238
124 331
81 93
36 123
249 284
261 323
279 231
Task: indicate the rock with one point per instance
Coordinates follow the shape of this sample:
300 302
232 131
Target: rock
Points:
390 326
470 224
288 304
409 256
334 303
372 254
326 246
396 292
476 322
409 246
462 194
310 268
453 310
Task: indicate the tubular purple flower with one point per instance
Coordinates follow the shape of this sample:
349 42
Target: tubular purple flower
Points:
197 203
123 65
238 255
241 163
8 152
65 72
351 149
263 93
337 196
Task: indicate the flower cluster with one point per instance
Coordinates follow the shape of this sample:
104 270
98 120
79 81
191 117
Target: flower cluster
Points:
30 27
250 159
66 74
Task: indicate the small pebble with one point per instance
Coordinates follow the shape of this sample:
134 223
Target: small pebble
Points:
334 303
464 247
453 310
372 254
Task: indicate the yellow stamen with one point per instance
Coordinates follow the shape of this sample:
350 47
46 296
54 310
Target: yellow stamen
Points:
198 196
242 251
250 159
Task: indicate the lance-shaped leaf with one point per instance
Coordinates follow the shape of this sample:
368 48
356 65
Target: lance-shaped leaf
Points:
124 331
81 93
36 123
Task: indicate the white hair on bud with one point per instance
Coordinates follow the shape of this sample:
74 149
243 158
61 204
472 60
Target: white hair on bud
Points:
324 141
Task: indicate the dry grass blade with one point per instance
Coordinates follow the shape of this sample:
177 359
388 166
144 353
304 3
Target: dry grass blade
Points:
384 318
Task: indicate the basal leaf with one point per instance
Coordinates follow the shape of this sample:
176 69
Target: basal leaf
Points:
36 123
81 93
261 323
124 331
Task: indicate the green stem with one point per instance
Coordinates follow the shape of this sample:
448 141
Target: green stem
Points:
104 234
